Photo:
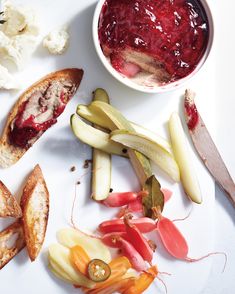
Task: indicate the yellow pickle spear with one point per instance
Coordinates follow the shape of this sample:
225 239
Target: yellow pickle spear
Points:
181 152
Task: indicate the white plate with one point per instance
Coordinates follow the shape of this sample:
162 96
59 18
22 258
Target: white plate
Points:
58 150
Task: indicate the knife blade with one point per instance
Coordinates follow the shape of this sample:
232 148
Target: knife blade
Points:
205 146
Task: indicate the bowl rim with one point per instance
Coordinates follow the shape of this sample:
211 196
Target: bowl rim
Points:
155 89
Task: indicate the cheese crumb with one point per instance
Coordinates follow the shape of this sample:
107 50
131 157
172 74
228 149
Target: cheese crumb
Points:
7 80
18 35
19 20
18 39
57 41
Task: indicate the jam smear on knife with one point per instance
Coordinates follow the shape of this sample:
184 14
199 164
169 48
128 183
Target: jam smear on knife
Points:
191 110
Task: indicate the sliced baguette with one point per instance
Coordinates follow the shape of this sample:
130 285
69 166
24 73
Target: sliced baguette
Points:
11 242
35 208
9 153
9 206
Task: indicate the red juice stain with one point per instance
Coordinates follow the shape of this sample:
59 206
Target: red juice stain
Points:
192 114
174 32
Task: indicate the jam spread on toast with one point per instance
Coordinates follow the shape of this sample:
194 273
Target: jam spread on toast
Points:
39 112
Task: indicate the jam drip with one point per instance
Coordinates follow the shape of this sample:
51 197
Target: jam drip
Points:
172 32
39 113
191 111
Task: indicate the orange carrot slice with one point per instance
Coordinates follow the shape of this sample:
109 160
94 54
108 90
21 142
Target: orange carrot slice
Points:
122 260
140 284
80 259
116 286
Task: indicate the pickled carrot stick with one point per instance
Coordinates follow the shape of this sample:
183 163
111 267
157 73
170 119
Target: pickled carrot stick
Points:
80 259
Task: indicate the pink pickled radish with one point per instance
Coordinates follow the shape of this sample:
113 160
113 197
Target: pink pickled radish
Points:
135 206
112 239
172 238
138 240
123 211
175 242
121 199
144 224
167 194
134 257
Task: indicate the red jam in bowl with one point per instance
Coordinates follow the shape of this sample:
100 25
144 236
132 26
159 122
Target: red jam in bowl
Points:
165 38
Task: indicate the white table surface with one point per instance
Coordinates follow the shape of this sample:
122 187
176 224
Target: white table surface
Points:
225 140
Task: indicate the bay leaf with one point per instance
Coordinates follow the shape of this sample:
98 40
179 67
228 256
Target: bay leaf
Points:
155 197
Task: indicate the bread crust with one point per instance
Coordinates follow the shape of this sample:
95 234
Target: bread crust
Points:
35 208
11 242
10 154
9 206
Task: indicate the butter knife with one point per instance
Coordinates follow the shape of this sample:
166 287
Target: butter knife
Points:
205 146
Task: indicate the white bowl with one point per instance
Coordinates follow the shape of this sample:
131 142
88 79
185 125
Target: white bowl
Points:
143 88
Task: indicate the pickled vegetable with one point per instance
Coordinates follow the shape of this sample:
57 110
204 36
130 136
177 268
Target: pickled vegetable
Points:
98 270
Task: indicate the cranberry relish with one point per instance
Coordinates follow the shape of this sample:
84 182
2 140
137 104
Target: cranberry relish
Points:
173 32
39 112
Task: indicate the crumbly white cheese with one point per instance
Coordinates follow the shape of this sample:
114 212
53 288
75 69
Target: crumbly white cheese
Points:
19 20
18 36
7 80
57 41
17 50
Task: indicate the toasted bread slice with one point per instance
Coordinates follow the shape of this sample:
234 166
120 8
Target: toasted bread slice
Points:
37 105
9 207
11 242
35 208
